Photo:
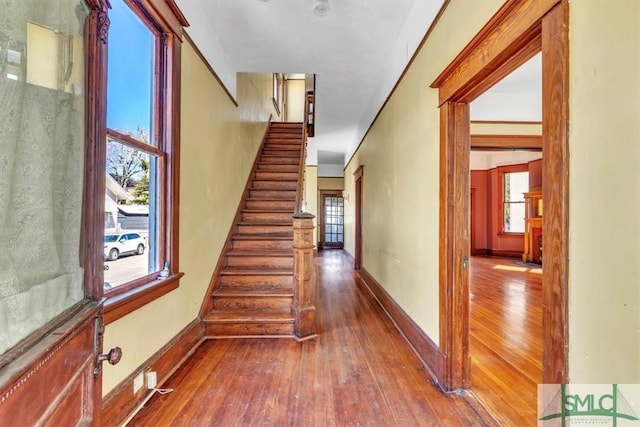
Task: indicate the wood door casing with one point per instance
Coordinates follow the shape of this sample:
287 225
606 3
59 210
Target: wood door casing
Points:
357 264
519 30
324 222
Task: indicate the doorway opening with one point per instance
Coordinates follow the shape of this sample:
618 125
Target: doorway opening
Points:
505 292
331 220
517 32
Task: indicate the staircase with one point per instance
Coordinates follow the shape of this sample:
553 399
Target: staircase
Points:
253 285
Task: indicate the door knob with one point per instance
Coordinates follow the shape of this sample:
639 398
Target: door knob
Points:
113 357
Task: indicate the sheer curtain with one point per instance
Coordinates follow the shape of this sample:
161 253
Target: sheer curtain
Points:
41 162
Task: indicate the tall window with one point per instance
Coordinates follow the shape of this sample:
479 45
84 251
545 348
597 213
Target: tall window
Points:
137 152
515 185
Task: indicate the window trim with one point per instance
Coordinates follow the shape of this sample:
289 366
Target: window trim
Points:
166 22
502 171
277 85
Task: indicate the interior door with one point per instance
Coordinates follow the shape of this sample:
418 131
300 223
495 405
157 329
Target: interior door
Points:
51 87
332 219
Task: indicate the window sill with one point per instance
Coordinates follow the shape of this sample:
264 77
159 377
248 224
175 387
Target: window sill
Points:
118 306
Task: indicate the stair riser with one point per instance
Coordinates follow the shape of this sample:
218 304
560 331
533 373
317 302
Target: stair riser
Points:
267 216
279 160
260 262
262 244
247 282
281 133
273 167
275 185
265 229
249 303
248 329
284 176
255 204
287 144
271 194
283 145
280 152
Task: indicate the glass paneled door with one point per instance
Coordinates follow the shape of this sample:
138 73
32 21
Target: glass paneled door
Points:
332 230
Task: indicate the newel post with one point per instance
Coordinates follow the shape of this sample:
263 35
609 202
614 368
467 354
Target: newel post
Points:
304 276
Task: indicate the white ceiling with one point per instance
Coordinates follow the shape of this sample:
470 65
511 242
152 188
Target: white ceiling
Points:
357 51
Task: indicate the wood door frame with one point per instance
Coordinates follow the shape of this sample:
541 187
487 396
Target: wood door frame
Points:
357 264
519 30
321 217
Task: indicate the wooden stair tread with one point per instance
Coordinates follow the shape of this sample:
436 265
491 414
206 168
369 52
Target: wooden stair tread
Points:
261 253
243 316
255 291
263 222
270 210
262 237
287 235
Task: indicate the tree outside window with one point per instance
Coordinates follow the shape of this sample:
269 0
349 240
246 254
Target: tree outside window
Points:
135 149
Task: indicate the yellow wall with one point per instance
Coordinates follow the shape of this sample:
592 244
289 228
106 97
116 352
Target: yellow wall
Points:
295 100
506 128
218 145
604 268
325 183
400 155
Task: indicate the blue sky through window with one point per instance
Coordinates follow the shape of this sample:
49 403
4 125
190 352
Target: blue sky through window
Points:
130 71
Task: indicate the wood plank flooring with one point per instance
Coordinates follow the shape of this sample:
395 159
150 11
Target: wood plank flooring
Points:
359 372
506 337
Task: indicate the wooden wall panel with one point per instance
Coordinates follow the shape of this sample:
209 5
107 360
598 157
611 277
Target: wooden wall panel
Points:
53 381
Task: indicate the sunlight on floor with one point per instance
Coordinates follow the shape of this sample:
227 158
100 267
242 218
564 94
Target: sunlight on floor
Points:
510 268
519 269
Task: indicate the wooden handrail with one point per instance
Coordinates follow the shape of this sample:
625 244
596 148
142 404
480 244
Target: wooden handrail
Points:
303 159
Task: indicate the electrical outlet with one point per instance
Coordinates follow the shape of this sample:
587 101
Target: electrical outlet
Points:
138 382
152 380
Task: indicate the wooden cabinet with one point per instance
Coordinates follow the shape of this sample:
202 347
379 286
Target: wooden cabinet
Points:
533 226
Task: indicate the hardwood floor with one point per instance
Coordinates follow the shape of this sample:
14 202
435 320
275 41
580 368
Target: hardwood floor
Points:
359 372
506 337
